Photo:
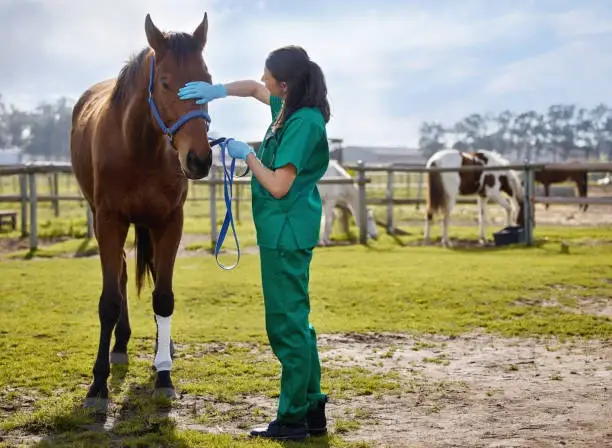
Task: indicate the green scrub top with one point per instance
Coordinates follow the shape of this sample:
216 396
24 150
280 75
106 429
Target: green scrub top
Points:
292 222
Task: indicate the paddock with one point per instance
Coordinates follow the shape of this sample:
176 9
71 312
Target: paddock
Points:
420 346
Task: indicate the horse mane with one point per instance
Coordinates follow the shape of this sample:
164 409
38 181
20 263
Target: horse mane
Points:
180 45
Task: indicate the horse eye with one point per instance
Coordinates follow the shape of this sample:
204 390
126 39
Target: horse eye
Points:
165 85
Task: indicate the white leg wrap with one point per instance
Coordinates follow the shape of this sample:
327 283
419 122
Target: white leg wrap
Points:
163 361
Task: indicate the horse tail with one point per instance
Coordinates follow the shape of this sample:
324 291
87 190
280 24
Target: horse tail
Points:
436 195
144 256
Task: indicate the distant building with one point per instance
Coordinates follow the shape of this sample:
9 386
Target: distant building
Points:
350 155
379 155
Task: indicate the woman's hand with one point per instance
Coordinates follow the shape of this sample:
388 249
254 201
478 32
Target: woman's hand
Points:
238 149
202 91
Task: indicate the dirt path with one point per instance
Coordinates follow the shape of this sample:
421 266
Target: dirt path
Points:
472 391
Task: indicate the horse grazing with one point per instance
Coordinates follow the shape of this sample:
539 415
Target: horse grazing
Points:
132 166
579 176
444 187
344 195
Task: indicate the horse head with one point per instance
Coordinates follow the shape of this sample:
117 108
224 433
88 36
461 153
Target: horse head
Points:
177 59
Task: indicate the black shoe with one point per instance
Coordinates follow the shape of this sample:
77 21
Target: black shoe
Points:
280 431
316 420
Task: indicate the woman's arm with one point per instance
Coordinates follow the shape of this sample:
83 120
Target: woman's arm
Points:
277 182
248 88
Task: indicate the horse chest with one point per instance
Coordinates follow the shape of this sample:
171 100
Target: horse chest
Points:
142 200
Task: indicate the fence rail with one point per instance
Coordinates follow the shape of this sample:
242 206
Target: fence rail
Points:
29 198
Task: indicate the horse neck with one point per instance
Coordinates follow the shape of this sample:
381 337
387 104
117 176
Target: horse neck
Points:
140 132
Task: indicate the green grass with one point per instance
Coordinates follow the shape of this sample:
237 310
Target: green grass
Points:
49 331
49 324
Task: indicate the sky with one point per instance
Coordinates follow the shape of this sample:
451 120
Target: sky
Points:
389 66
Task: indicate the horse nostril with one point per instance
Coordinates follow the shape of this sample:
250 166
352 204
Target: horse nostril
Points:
197 165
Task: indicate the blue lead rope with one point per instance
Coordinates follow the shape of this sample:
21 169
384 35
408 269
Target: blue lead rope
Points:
228 183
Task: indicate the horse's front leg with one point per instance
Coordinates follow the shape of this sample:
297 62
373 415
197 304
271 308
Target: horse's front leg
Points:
166 239
482 219
123 330
328 221
111 232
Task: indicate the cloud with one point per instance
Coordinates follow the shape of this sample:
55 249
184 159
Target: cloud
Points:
387 69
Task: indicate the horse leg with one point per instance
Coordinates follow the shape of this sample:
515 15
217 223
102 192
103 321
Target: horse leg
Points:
166 238
446 213
582 185
328 211
546 194
482 217
505 204
122 330
111 232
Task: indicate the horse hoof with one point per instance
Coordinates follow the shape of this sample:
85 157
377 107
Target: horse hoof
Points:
166 392
118 358
97 404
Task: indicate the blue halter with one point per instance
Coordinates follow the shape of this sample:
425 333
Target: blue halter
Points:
228 176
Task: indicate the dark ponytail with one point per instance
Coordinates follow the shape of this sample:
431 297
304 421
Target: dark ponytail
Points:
306 86
316 90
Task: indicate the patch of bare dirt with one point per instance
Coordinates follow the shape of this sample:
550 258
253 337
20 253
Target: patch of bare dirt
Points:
494 392
469 391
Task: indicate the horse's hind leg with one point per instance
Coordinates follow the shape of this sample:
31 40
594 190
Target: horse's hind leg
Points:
546 194
122 330
166 238
582 186
111 232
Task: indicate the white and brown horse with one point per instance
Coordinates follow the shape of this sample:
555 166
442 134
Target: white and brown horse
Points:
444 187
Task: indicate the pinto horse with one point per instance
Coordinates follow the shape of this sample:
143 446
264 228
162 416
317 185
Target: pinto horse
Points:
133 146
579 176
444 187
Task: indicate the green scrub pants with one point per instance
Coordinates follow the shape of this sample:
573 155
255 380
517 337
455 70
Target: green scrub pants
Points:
293 340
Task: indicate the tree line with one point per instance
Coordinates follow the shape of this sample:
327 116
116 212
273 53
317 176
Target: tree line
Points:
42 132
564 131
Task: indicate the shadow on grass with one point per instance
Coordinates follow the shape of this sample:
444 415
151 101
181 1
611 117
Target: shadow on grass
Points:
139 420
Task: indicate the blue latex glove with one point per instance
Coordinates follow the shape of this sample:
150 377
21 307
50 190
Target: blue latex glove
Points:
202 91
238 149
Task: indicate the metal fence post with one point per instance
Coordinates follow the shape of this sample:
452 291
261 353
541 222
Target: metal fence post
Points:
33 212
23 191
389 198
363 217
528 203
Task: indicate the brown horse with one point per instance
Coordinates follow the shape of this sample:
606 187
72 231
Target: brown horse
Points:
132 167
579 176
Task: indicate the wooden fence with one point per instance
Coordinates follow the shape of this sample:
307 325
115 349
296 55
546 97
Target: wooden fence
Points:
28 197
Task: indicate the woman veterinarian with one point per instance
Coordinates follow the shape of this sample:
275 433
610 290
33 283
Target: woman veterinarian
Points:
287 208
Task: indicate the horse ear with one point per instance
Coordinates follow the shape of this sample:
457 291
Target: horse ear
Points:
155 37
201 32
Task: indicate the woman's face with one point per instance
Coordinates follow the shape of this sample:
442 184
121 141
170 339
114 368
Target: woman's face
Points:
274 87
